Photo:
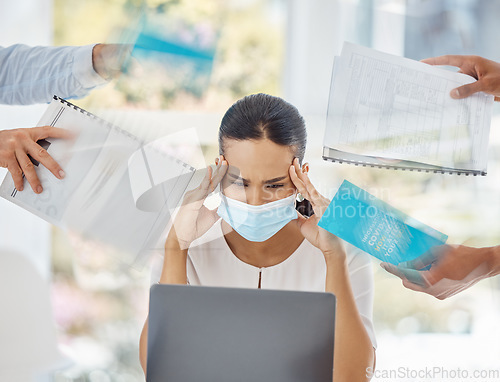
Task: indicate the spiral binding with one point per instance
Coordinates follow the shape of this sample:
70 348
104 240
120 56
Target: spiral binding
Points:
388 167
120 130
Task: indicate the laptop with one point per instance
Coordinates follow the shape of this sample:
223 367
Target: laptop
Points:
204 334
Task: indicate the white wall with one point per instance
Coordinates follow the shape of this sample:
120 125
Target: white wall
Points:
316 30
313 38
28 22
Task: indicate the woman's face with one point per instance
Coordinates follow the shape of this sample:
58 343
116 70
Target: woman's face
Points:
258 171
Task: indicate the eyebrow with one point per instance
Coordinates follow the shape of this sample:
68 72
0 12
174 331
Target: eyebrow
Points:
274 180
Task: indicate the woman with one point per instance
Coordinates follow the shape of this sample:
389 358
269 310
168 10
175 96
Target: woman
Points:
256 238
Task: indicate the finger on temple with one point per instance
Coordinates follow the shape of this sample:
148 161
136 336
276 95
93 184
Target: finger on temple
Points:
452 60
233 173
310 193
299 184
311 190
219 174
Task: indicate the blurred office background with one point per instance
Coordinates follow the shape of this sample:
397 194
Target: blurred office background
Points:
285 48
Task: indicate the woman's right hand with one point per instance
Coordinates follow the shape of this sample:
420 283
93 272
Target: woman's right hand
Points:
193 218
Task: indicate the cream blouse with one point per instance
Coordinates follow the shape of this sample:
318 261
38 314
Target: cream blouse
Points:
211 262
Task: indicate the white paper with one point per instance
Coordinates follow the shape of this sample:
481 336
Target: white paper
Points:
393 107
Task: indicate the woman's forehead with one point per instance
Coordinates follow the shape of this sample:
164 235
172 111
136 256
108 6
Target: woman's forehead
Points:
258 157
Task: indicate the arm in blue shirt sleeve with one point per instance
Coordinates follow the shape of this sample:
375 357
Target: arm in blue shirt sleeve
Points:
31 75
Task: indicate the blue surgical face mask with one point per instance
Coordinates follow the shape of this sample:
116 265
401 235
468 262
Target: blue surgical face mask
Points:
257 223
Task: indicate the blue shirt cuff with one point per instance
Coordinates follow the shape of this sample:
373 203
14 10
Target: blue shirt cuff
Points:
83 70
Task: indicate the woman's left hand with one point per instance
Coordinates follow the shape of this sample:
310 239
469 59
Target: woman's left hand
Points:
328 243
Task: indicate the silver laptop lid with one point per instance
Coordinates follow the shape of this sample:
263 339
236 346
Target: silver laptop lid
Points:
203 334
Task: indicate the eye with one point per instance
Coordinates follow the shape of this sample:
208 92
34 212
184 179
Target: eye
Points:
274 185
240 184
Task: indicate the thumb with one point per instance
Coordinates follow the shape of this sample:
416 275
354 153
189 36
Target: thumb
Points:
211 213
466 90
301 219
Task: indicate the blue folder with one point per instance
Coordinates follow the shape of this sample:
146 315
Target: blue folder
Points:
377 228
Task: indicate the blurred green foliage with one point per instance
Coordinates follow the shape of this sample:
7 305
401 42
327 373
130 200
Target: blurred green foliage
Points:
248 58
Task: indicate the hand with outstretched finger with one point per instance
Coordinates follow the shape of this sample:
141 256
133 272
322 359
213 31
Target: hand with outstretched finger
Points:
444 270
486 72
18 145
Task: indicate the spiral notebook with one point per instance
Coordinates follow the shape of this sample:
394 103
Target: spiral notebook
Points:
118 191
393 112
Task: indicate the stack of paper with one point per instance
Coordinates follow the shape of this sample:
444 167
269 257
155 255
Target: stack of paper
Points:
390 111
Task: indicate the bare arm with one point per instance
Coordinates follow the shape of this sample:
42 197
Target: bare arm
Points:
354 350
173 272
68 71
495 260
192 221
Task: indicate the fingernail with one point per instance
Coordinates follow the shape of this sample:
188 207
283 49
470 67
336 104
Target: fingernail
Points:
454 93
39 190
20 188
62 174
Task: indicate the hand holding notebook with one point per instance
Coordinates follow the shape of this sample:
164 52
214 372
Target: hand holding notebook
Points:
118 190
